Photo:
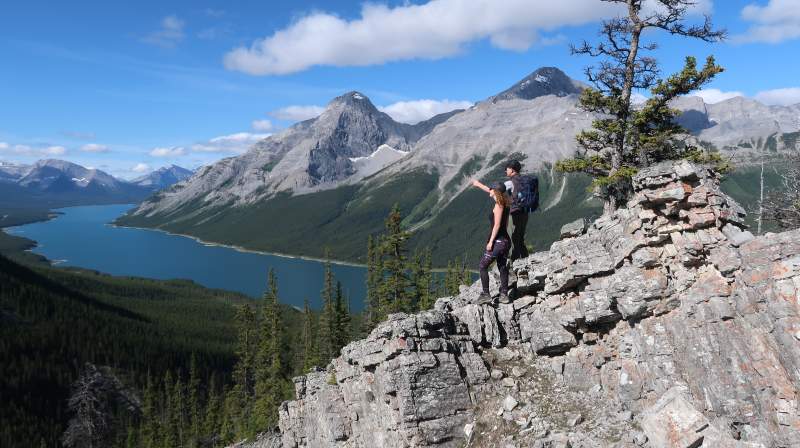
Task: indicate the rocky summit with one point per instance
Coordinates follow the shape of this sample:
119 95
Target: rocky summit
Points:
664 324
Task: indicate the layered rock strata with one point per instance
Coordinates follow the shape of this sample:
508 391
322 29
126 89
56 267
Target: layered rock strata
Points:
665 324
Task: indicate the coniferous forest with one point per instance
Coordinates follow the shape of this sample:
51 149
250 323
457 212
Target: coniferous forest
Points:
92 360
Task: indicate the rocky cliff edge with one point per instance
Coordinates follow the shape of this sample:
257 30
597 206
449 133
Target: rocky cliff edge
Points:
666 324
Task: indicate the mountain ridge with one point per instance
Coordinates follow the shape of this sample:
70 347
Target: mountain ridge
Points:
535 121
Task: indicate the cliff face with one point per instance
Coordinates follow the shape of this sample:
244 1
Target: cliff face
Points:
664 325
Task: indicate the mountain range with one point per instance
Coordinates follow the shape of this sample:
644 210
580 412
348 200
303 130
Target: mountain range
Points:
58 183
315 172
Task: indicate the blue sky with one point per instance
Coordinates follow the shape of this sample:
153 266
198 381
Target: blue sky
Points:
132 86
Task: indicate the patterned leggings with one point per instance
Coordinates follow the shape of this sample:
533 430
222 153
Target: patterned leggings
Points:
499 252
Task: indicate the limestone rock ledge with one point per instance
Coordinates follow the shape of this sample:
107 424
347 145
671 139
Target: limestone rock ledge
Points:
666 324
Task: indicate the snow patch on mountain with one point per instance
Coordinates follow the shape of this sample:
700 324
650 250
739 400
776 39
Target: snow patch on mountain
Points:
384 156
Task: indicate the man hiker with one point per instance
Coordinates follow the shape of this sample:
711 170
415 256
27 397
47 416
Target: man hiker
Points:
520 206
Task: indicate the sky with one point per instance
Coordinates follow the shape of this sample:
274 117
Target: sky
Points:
128 87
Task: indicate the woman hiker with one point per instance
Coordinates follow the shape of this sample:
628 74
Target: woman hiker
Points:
498 244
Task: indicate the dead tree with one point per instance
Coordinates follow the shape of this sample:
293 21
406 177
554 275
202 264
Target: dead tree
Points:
782 205
95 397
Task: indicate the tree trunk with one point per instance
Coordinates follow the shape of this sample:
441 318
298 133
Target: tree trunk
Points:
612 202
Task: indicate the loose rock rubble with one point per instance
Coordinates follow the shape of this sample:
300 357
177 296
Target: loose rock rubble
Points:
665 324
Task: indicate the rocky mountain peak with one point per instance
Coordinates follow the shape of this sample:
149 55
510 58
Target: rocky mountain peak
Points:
543 81
352 99
663 324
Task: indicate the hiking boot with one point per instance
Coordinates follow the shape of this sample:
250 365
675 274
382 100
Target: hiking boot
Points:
484 299
504 298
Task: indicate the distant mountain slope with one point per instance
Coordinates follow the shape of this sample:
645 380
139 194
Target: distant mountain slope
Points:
163 177
309 156
57 183
319 172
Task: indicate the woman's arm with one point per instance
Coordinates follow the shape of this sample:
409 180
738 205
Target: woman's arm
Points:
498 218
477 183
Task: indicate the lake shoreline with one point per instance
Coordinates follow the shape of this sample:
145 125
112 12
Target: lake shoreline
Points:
243 249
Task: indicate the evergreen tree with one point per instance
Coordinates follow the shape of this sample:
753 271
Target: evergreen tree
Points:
627 137
269 371
169 428
194 404
394 288
310 353
450 280
342 319
423 280
240 399
213 410
372 305
178 414
150 416
230 417
327 319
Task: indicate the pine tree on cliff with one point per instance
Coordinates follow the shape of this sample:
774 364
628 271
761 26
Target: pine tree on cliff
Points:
450 284
394 287
310 352
342 319
372 307
421 280
327 318
629 137
269 370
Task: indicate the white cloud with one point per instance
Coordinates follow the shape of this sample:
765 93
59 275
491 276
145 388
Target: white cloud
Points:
436 29
415 111
780 97
141 168
3 146
55 150
297 113
262 125
169 35
234 143
713 96
175 151
94 147
775 22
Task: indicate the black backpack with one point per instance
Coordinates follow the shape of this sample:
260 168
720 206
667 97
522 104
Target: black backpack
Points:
526 193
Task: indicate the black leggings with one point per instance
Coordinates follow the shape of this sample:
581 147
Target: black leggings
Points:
520 220
499 252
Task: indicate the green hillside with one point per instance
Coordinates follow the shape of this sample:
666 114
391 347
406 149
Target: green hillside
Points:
56 320
343 217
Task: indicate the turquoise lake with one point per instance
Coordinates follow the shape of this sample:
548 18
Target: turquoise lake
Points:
83 237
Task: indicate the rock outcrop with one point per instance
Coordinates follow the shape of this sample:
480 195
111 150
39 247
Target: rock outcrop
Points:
666 324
